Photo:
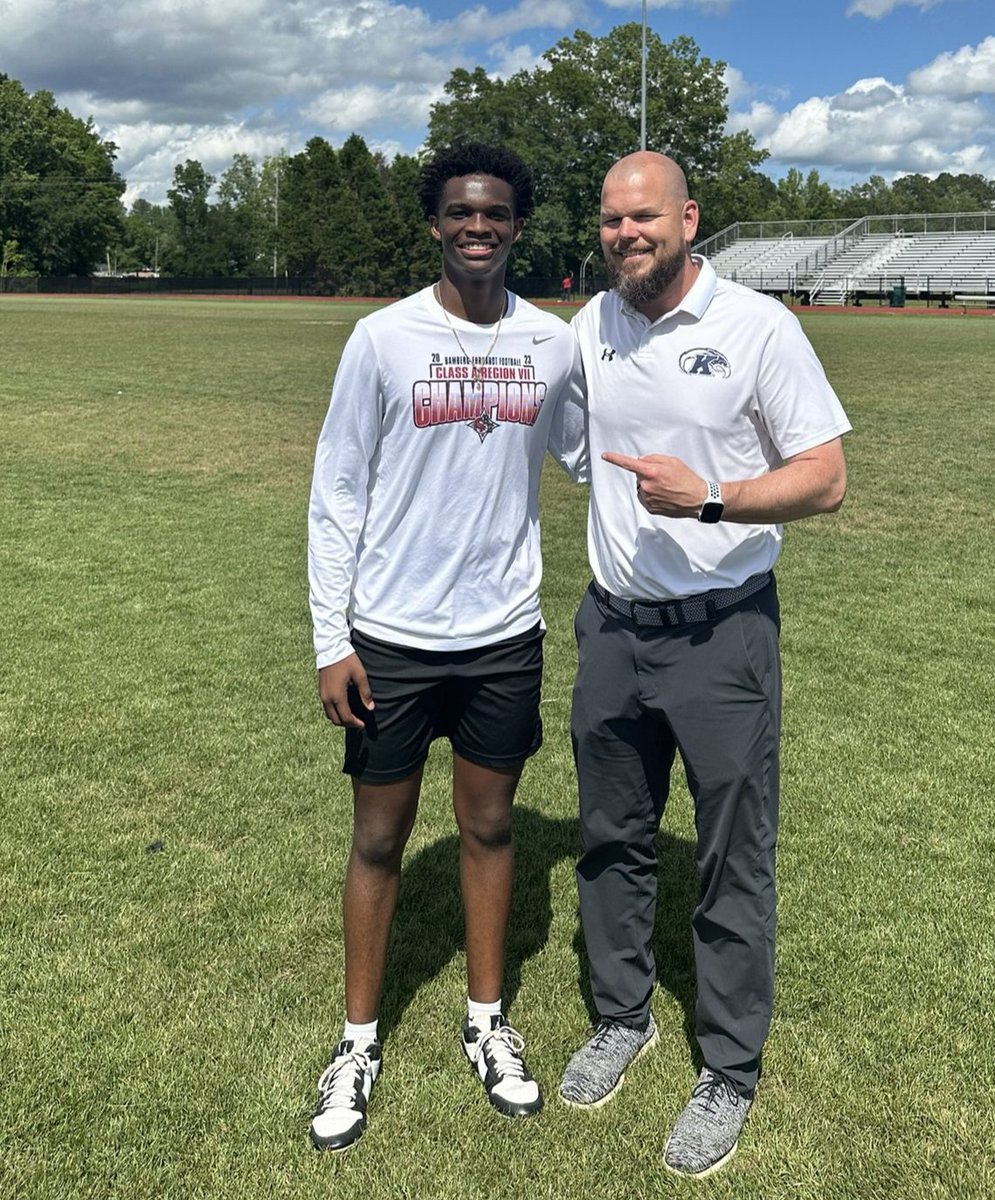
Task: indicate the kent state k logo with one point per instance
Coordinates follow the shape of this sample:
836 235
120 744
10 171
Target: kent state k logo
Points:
704 361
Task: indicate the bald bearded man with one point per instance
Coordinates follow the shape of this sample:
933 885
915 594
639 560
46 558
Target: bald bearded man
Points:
712 424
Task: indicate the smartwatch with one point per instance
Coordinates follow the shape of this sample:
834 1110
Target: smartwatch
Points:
711 510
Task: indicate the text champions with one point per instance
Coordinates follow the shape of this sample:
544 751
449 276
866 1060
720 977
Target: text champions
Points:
501 393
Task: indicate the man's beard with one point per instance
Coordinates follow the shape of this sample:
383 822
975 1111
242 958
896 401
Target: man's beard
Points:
641 289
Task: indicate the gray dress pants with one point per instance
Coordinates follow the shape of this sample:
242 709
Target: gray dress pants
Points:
710 690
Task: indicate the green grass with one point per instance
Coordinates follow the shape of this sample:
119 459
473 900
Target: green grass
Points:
165 1015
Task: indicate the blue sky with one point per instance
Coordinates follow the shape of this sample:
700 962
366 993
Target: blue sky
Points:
850 87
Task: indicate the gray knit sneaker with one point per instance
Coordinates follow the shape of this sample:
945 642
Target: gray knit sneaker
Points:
596 1071
705 1135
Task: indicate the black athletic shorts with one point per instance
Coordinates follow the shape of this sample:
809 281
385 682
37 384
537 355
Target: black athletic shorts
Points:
485 700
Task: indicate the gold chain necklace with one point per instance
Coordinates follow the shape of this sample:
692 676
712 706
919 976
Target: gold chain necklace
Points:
475 364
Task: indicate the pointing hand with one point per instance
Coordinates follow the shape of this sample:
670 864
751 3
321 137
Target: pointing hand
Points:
665 486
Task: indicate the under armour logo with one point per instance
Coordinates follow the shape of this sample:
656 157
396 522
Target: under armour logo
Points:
608 353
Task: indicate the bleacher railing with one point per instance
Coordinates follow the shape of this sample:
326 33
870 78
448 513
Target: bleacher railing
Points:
909 223
928 287
814 272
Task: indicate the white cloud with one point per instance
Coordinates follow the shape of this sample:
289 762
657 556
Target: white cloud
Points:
342 110
185 59
154 151
199 60
867 95
737 88
875 126
969 71
390 148
708 6
508 60
881 8
739 91
492 24
168 80
761 119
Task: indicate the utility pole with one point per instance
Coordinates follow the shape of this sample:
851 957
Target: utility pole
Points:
276 214
642 126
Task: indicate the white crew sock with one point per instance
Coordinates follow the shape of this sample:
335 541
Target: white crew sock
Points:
480 1014
360 1033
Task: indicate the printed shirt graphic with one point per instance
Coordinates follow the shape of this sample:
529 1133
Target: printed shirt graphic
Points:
423 523
484 393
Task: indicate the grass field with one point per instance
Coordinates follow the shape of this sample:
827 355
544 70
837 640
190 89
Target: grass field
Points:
175 824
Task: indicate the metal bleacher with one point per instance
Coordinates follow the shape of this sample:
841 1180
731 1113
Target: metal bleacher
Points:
933 257
757 256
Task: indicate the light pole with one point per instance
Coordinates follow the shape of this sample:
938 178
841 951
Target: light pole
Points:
642 125
276 216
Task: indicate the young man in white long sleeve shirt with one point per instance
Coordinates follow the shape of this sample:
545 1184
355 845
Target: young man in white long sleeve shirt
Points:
424 572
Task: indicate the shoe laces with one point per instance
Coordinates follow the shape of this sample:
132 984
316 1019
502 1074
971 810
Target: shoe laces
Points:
505 1046
337 1085
603 1033
714 1087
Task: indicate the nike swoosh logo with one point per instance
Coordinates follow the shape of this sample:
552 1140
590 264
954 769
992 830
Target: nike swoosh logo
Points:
538 341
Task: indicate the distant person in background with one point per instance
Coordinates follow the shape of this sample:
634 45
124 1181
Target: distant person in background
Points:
567 287
711 424
424 568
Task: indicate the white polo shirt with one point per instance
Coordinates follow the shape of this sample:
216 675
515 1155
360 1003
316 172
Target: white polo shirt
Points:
728 383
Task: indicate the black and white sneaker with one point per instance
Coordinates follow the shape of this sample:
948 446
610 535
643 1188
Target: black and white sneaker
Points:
495 1053
343 1094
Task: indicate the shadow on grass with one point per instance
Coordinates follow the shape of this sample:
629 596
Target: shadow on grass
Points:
428 927
673 949
677 895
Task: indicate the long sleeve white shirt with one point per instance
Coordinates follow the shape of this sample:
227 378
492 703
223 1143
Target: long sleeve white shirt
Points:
423 527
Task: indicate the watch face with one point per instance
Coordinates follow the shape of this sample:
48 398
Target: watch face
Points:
711 510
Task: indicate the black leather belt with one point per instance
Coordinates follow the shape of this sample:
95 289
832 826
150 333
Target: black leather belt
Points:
666 613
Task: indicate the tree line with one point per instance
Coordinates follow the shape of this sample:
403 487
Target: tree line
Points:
347 221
